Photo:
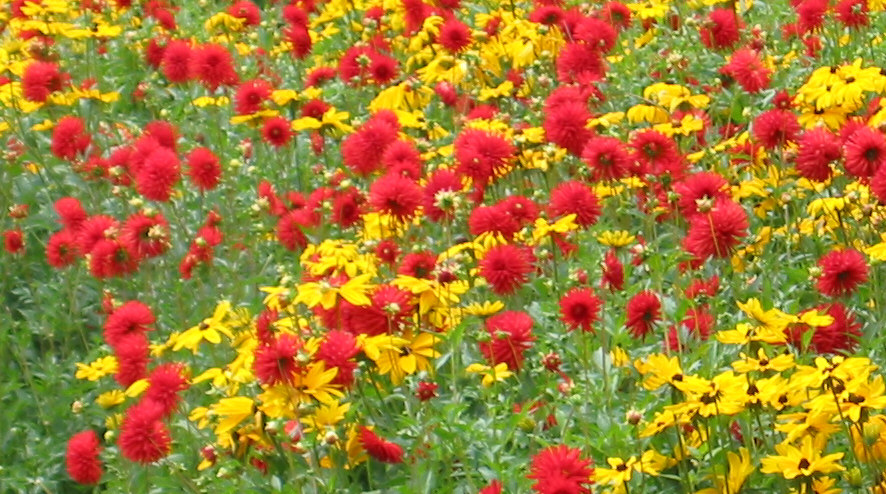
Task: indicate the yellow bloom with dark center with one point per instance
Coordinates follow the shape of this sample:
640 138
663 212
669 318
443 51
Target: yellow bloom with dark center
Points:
327 415
491 375
620 471
772 319
805 461
407 356
838 367
813 423
210 330
660 369
740 467
110 399
230 412
325 294
724 395
763 363
616 238
97 369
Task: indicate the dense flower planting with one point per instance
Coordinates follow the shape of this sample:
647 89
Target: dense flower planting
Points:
443 246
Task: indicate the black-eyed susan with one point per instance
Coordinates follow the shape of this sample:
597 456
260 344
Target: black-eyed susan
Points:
803 461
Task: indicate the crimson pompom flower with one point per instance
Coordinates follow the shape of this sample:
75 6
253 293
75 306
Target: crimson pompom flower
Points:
454 35
149 236
158 174
717 232
93 230
549 15
144 438
402 158
818 148
841 272
275 362
613 272
70 212
657 153
811 14
700 188
82 458
69 138
132 358
643 311
865 152
616 13
204 169
390 311
61 249
852 13
276 131
426 390
842 335
607 158
363 150
40 79
338 350
213 65
347 207
396 195
506 267
481 155
580 63
494 487
574 197
246 10
165 383
748 70
775 128
722 29
580 308
176 62
378 448
564 125
250 96
418 264
561 469
13 241
131 317
596 33
165 133
510 335
112 257
441 195
493 219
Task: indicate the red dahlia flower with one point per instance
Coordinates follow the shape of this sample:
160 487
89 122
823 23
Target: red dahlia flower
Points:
560 469
842 272
82 458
